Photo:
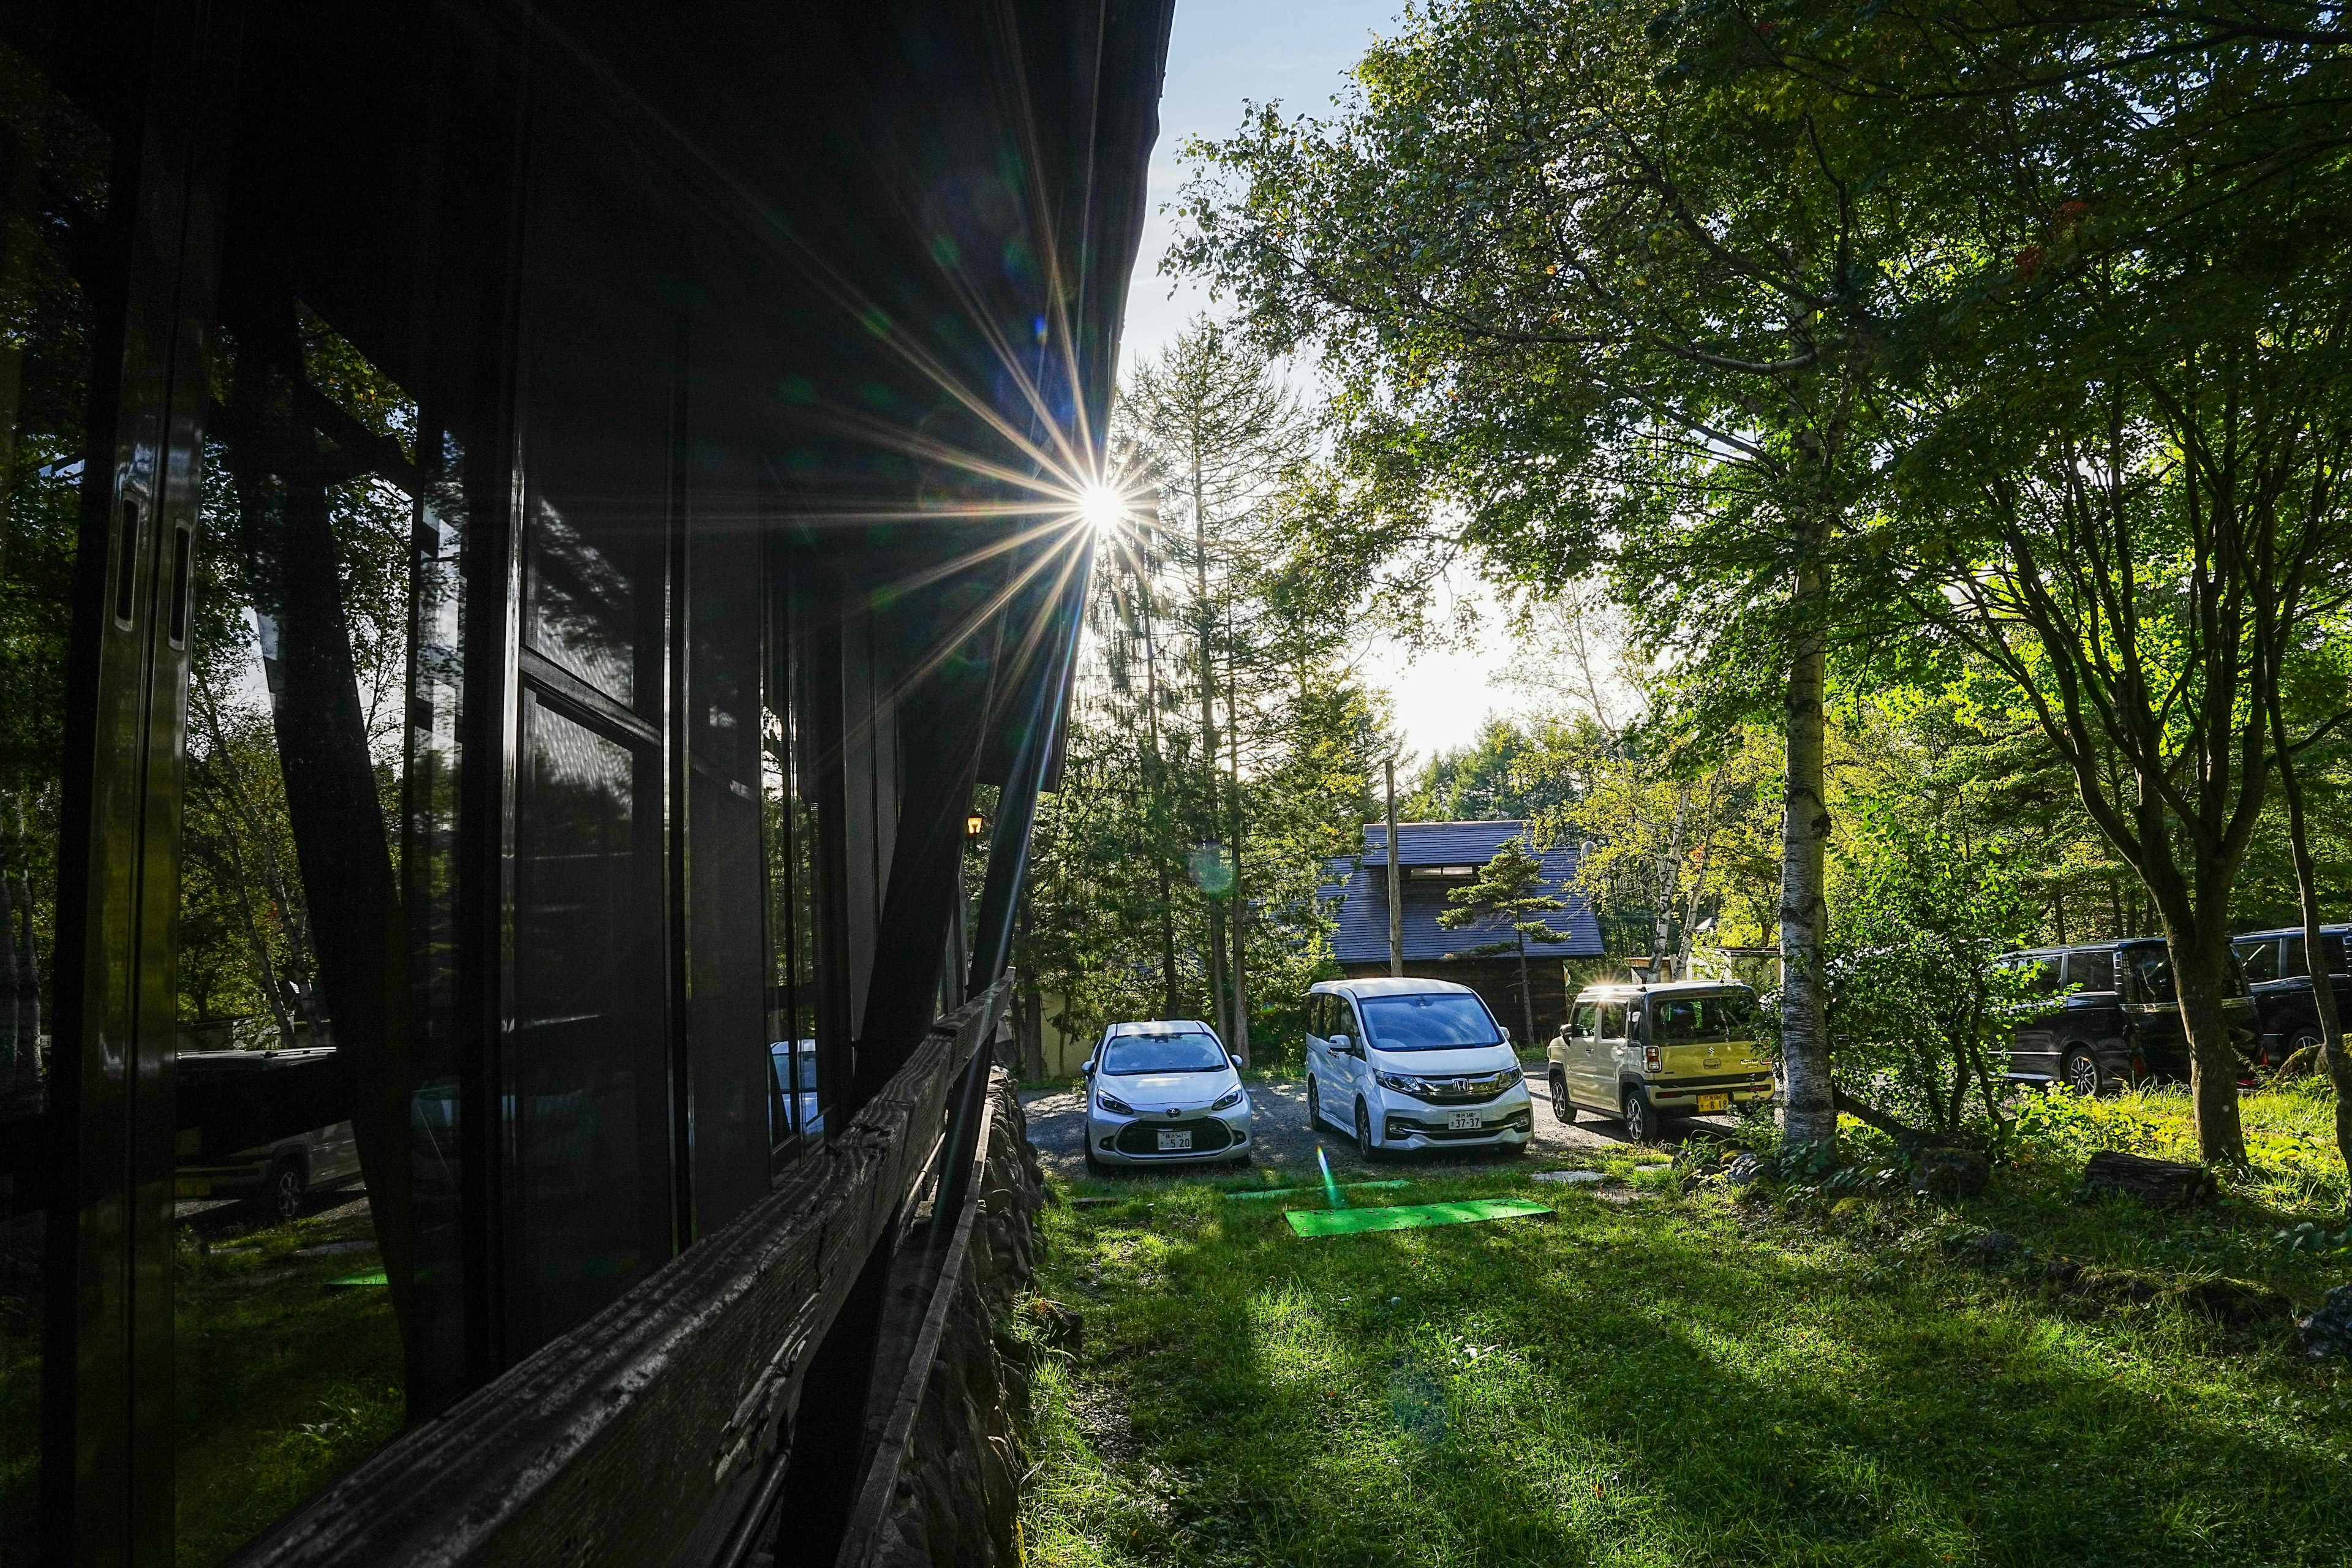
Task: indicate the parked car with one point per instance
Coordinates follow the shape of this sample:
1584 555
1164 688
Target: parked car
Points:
1649 1054
1413 1064
1163 1092
2281 981
2114 1016
272 1090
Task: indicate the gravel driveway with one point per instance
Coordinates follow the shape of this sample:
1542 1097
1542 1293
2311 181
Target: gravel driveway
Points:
1281 1139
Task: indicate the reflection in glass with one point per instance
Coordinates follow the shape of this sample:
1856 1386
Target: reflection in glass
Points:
289 1275
586 1084
789 830
582 613
53 197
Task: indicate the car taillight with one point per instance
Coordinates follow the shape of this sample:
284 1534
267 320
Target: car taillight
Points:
1650 1055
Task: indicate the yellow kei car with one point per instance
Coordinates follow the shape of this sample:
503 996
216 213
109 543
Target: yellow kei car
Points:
1645 1054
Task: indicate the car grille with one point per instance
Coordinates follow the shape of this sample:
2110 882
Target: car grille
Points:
1209 1136
1462 1090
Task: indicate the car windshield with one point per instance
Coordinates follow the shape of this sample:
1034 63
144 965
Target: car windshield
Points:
1726 1017
1435 1022
1191 1051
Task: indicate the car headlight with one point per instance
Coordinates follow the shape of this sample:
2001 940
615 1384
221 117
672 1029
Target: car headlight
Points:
1113 1104
1229 1099
1399 1082
1513 1078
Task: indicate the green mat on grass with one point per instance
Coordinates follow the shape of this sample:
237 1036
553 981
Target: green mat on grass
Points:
1405 1217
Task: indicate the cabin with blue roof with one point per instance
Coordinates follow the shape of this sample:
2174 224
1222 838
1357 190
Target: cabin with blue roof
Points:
1434 858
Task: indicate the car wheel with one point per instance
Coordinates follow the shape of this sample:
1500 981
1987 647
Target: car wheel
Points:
1314 1106
1563 1109
1364 1144
288 1185
2304 1040
1640 1118
1095 1167
2081 1071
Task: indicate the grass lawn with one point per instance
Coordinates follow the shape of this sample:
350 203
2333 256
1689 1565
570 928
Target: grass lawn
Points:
1700 1376
283 1383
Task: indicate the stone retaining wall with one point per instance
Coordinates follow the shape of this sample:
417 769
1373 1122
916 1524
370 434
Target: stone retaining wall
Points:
959 1490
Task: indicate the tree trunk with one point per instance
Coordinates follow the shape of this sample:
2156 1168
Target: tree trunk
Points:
2200 967
339 843
1241 1034
1810 1114
1526 996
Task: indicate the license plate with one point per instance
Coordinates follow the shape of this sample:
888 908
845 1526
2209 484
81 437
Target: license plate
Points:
1710 1104
192 1187
1463 1121
1172 1141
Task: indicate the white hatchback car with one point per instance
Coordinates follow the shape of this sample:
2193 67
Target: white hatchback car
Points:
1164 1092
1413 1064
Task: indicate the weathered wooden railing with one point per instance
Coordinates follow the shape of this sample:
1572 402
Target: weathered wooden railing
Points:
660 1430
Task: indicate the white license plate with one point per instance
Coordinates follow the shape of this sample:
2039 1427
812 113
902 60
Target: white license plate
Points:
1710 1104
1463 1121
1172 1140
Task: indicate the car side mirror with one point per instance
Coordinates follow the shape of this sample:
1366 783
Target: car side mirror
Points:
1234 1060
1507 1033
1088 1070
1343 1045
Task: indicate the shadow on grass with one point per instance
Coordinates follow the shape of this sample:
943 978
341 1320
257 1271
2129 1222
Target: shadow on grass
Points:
1656 1386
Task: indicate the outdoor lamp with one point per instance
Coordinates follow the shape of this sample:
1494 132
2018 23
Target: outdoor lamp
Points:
974 825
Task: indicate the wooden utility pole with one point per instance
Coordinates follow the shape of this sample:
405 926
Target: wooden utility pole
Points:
1396 885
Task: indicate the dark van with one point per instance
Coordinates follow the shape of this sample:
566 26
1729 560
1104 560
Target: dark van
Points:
2118 1020
2281 981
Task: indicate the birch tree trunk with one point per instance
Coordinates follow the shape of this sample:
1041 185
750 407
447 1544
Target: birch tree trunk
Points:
1810 1115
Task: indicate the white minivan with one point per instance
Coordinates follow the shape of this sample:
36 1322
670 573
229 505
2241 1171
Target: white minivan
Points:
1413 1064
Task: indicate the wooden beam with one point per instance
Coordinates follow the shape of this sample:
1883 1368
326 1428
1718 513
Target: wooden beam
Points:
613 1443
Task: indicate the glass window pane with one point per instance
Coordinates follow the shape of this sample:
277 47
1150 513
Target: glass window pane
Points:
2150 969
53 200
2291 959
2094 971
586 1070
289 1360
2259 959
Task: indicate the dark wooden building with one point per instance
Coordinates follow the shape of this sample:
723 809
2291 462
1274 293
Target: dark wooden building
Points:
1433 859
527 532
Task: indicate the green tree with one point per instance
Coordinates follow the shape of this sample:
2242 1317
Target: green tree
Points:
1509 887
1579 306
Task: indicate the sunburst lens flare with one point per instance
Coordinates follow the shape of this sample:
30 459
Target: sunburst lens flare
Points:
1102 508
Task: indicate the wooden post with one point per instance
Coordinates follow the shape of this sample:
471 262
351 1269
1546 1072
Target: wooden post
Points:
1396 885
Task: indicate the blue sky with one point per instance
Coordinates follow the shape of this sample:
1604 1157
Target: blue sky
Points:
1223 53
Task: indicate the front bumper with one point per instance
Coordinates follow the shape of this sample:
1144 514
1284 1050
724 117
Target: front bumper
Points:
1509 1119
1133 1140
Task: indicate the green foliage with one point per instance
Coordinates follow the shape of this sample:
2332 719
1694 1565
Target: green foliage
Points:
1920 1016
1496 778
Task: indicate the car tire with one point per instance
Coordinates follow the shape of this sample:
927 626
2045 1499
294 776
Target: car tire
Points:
1095 1167
2080 1070
1314 1106
1642 1119
1563 1109
1364 1144
2305 1038
289 1183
